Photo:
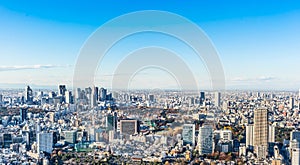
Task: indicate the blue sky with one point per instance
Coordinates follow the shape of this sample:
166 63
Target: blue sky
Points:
258 42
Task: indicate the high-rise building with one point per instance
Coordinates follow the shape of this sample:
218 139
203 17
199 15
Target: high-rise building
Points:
45 142
129 127
205 140
28 95
95 96
260 129
111 121
296 156
226 135
217 99
6 140
68 97
295 135
70 136
271 132
258 94
103 93
151 98
23 114
291 103
188 134
61 90
202 97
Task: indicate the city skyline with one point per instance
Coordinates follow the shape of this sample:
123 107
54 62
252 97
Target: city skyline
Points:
257 44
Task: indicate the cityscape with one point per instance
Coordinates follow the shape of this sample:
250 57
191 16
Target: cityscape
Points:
149 127
149 83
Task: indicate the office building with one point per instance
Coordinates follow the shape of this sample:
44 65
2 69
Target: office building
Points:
202 97
151 98
226 135
68 97
129 127
45 142
217 99
205 140
70 137
188 134
291 103
271 132
23 114
7 140
95 96
260 128
61 90
296 156
111 121
103 93
295 135
28 95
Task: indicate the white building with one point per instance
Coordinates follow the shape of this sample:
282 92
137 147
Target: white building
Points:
249 136
217 99
45 142
296 156
188 134
205 140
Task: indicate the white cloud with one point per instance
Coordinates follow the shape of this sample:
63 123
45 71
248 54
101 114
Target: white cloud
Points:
255 79
25 67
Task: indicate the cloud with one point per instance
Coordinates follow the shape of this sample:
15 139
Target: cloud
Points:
266 78
26 67
256 79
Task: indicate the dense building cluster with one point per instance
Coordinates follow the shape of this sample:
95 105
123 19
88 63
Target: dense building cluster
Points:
91 125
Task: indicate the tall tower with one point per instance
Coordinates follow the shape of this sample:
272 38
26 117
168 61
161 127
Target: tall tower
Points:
260 140
249 136
291 103
205 140
95 96
217 99
202 97
28 95
188 134
23 114
61 90
111 121
103 93
68 97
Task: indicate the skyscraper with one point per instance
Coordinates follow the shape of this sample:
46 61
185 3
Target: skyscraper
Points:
260 129
271 132
205 140
28 95
202 97
188 134
95 96
291 103
217 99
68 97
103 93
23 114
45 142
249 136
111 121
296 156
61 90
